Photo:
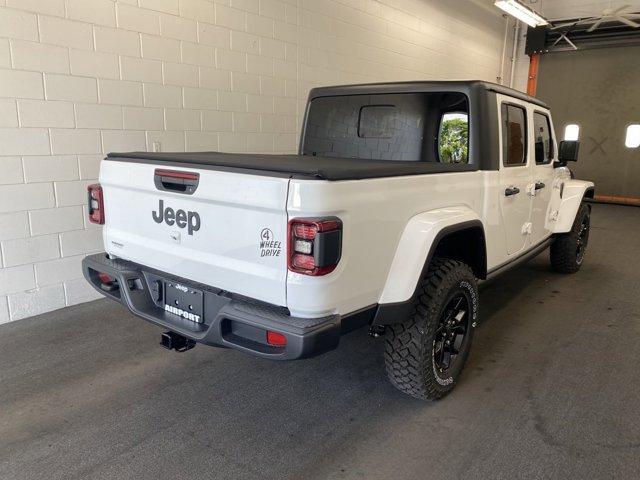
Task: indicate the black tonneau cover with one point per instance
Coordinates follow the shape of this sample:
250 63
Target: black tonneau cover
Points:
292 166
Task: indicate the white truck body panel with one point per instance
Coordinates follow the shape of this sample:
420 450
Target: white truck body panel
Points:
567 207
417 239
225 252
545 173
376 237
375 213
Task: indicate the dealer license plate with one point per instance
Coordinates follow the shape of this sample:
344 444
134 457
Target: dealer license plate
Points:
184 301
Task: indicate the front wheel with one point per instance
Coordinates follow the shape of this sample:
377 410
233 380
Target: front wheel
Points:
425 353
568 249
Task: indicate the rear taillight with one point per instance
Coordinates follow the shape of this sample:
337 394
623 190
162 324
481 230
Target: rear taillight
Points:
315 245
96 204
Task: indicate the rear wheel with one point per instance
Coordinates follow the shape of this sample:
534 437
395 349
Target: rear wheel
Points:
568 249
425 353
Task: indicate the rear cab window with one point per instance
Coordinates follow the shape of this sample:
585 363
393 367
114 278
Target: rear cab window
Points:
514 135
410 127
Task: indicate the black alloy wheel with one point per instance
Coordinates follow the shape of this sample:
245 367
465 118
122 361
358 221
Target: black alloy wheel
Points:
450 333
583 239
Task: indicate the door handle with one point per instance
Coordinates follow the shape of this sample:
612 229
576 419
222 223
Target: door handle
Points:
511 191
540 185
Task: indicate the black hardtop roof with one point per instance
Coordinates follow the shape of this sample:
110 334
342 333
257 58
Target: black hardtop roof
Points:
422 86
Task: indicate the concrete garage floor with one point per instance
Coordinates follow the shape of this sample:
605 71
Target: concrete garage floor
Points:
551 390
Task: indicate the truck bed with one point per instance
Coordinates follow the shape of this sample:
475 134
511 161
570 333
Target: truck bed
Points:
292 166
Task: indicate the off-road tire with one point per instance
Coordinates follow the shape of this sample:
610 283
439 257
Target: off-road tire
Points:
410 344
565 252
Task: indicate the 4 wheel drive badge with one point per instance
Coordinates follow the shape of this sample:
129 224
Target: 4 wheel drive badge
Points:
269 246
266 235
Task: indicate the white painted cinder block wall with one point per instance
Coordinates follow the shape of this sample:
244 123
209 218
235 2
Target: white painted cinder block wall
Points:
79 78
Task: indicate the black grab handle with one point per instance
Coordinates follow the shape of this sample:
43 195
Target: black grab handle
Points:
176 181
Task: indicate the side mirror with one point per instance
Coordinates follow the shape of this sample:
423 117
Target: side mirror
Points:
568 151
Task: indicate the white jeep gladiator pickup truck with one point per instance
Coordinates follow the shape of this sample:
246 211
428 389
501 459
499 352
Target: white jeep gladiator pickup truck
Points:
402 198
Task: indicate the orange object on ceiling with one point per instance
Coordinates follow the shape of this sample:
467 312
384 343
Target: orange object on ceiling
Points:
532 79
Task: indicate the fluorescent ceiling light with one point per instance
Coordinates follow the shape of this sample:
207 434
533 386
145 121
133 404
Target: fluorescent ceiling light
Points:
521 12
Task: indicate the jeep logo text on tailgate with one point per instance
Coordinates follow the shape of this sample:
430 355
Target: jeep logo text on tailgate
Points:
182 219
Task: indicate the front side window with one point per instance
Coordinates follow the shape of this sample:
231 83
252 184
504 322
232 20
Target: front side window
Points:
542 138
514 135
453 138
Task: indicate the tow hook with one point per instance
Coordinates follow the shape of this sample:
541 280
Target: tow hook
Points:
174 341
377 331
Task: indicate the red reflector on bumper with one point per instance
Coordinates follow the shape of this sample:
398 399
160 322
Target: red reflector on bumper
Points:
276 339
104 278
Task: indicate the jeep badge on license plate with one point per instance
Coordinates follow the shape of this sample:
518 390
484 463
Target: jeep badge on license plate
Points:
184 301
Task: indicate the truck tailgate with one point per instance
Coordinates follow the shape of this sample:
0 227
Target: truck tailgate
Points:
229 233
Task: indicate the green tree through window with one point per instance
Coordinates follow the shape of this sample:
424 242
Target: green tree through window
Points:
453 141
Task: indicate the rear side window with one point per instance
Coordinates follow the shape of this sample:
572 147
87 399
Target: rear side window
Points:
542 138
394 127
453 138
514 135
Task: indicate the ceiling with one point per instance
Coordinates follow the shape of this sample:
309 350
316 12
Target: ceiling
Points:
595 31
561 9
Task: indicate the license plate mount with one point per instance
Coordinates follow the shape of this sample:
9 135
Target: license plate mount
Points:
184 301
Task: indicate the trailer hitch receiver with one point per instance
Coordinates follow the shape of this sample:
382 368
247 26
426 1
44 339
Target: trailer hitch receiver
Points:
174 341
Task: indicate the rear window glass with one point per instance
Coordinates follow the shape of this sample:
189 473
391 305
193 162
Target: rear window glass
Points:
543 139
403 126
514 135
377 121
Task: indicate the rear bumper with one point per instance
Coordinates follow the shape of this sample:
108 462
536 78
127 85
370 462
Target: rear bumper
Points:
229 320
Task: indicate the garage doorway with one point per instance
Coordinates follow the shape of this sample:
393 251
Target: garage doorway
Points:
597 90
